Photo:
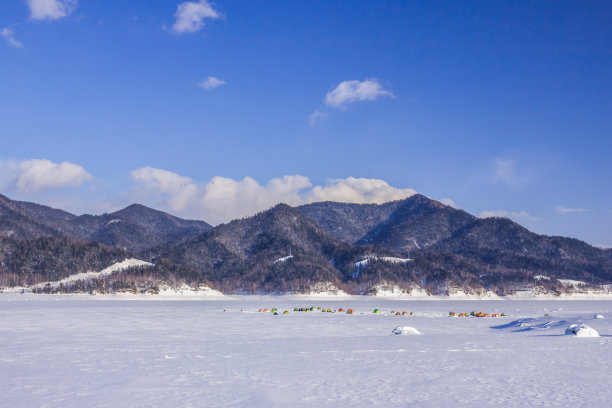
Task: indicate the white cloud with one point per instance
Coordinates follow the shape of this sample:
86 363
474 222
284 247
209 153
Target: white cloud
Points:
32 176
211 82
565 210
163 181
50 9
9 37
352 91
449 202
190 16
222 199
357 190
515 215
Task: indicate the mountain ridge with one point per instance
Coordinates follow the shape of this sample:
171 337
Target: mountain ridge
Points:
409 243
135 228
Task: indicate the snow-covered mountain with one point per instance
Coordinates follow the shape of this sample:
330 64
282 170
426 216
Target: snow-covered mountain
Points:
416 245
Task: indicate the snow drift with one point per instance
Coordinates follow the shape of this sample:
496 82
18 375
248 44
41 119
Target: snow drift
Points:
581 331
405 330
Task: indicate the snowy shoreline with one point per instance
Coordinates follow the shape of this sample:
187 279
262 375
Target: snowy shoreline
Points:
574 290
177 295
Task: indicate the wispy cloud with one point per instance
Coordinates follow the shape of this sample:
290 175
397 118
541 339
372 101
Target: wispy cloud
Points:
353 91
504 171
190 16
50 9
565 210
33 176
222 199
211 82
9 37
316 117
515 215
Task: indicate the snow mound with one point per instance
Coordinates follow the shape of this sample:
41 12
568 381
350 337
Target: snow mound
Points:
598 316
581 331
405 330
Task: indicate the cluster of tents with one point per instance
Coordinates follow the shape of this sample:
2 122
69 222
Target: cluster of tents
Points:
393 312
376 311
475 314
309 309
329 310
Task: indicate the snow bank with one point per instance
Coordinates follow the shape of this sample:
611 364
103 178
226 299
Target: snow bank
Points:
325 289
185 290
459 293
388 290
598 316
531 324
581 331
15 289
573 289
405 330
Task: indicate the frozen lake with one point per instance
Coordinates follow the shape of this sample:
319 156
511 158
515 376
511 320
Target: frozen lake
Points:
83 351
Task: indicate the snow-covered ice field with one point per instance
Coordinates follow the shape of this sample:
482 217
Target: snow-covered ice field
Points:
84 351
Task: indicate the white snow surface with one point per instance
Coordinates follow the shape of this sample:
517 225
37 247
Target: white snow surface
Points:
391 259
283 259
112 351
116 267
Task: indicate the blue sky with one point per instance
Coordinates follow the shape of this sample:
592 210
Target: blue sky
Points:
217 110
